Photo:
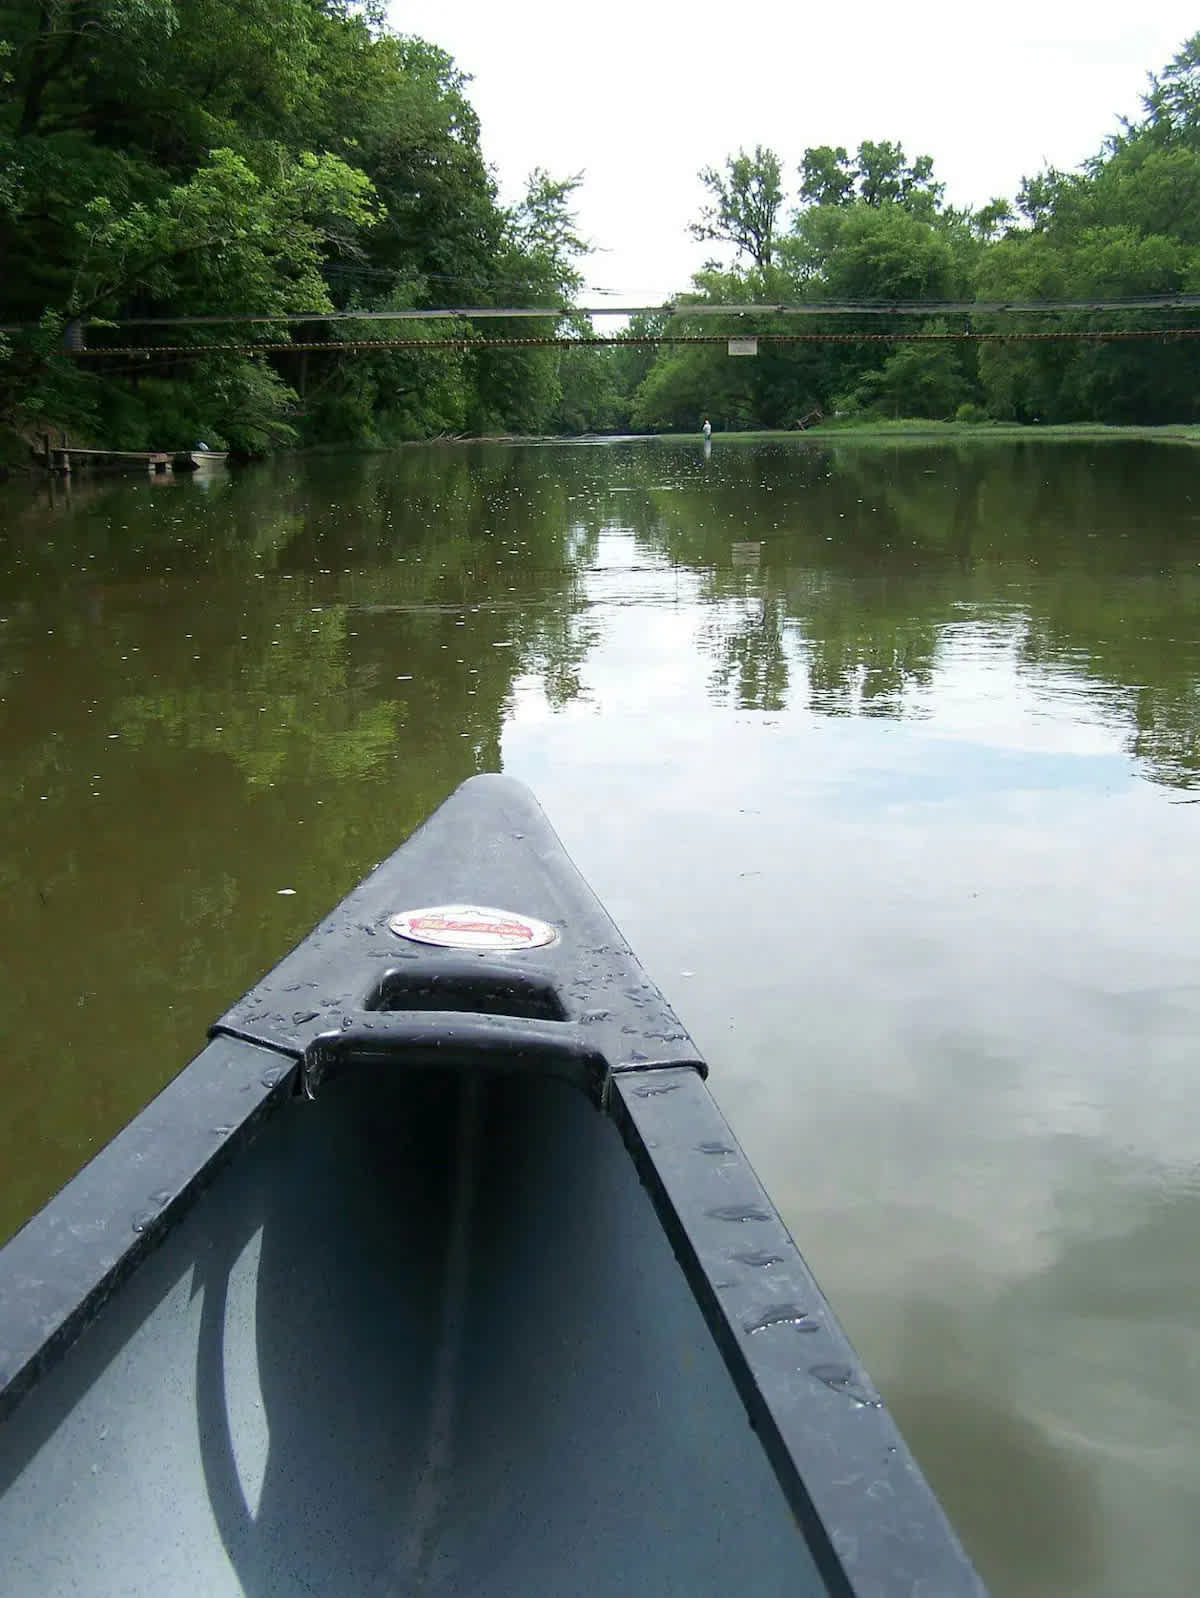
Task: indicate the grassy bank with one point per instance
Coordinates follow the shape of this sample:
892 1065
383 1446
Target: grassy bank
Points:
883 432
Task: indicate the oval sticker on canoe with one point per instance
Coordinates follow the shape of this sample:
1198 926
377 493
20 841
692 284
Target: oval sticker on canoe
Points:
472 926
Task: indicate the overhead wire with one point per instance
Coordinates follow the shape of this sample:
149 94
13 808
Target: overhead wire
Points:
1093 336
1161 302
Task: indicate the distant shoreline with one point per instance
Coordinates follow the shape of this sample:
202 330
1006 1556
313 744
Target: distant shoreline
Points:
976 432
875 432
17 459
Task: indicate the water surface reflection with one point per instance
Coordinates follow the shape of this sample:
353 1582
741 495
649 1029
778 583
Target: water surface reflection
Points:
885 759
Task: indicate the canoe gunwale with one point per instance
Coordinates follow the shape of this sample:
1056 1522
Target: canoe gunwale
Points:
62 1268
871 1520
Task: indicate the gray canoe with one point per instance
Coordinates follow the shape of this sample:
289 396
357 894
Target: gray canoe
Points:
439 1272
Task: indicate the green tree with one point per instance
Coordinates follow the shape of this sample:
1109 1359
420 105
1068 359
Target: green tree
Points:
744 205
988 221
826 176
590 400
915 380
879 174
60 43
348 175
878 252
225 239
884 177
1126 224
1173 103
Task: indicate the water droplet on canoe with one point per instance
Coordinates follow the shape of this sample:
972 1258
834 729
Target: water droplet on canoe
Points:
739 1212
781 1315
760 1258
654 1093
714 1148
842 1379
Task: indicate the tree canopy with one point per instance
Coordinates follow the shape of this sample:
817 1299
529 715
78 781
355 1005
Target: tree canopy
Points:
874 226
745 201
200 157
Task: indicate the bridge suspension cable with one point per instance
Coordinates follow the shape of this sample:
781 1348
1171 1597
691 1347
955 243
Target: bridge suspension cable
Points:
1090 336
1143 302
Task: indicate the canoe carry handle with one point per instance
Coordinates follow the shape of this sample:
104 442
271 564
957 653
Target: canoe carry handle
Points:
456 1039
480 987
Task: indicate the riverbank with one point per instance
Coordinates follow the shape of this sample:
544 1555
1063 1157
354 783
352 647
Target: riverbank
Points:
974 432
19 449
902 431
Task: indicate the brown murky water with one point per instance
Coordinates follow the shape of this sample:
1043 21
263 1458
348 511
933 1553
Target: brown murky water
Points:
886 760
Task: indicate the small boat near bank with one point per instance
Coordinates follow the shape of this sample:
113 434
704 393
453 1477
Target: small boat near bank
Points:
439 1271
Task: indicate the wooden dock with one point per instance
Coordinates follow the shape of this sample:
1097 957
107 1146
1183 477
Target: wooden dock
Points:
66 458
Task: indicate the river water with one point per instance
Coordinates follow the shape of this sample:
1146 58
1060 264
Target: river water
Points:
887 761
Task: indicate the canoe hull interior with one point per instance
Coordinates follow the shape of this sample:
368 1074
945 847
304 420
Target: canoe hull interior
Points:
426 1335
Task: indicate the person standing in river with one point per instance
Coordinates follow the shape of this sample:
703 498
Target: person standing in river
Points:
707 428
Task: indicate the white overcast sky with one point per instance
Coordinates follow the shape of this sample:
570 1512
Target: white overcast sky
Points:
639 96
